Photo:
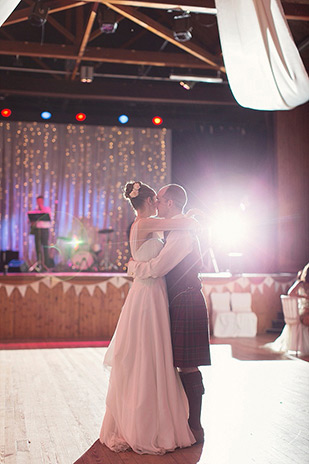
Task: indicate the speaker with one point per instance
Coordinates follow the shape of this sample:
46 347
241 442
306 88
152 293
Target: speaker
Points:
17 265
6 256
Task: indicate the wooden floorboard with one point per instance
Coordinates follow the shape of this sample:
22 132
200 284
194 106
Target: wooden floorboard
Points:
255 409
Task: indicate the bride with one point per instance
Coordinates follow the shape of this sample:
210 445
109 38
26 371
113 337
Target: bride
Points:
146 406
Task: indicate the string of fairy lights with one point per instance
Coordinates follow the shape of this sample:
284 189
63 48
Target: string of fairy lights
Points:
80 170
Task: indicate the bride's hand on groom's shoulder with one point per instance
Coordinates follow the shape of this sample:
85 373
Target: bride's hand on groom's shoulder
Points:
193 212
199 218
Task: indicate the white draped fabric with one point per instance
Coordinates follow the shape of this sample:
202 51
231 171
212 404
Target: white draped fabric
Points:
6 8
263 65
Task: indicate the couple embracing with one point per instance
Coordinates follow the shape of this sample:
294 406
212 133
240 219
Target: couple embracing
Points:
154 398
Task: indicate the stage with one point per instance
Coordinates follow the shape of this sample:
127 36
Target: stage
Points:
86 306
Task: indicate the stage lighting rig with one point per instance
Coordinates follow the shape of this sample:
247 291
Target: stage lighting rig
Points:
187 85
107 21
86 74
38 15
182 27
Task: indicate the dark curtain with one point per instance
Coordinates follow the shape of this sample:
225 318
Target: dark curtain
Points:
229 170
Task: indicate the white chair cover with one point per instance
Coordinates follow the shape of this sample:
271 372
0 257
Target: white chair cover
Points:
295 336
223 320
263 65
246 320
241 302
220 302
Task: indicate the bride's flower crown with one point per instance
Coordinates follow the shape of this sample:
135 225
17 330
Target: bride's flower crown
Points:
135 190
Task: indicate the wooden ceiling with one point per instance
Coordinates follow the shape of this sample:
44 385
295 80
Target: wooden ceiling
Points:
132 64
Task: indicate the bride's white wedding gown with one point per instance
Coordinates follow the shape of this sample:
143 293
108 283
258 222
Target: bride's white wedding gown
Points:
146 406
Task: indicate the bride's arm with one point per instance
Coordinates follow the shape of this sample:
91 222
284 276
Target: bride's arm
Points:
160 224
178 246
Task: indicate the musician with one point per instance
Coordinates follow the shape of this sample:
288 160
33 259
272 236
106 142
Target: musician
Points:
40 229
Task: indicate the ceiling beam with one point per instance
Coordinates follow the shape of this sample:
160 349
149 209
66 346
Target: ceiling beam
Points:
37 60
19 16
102 55
82 48
156 28
61 29
138 91
293 11
296 11
194 6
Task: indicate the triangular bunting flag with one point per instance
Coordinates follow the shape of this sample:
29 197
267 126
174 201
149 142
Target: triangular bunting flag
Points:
35 286
53 281
219 288
66 286
207 289
261 288
278 286
243 282
9 289
22 290
78 289
90 289
230 286
46 281
253 287
102 286
268 281
117 281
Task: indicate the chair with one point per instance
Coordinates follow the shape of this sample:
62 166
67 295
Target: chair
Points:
223 320
295 336
246 319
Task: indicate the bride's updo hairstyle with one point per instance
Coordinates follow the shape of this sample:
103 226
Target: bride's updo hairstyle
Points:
137 193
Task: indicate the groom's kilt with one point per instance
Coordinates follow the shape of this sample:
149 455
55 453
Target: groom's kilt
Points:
190 329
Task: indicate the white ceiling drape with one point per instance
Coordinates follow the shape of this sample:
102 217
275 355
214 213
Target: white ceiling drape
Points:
6 8
263 65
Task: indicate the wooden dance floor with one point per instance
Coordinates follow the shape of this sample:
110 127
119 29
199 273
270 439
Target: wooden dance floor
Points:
255 408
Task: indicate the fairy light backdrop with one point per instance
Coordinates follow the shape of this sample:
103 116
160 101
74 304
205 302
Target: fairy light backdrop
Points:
80 170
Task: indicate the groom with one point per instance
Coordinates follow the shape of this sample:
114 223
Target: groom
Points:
180 261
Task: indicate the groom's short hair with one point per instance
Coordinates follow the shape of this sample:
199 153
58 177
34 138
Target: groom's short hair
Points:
177 194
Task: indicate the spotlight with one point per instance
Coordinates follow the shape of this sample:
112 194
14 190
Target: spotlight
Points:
107 21
17 62
46 115
123 119
6 112
182 28
157 120
38 15
187 85
80 117
86 74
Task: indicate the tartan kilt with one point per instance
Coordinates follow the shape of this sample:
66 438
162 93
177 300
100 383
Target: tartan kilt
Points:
190 329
